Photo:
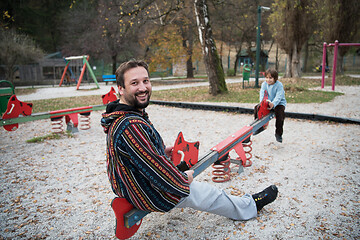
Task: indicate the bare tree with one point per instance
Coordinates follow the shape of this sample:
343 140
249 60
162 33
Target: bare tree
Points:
172 36
16 49
234 23
292 23
105 29
212 60
339 20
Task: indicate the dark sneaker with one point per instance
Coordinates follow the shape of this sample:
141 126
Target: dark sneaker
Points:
268 195
278 138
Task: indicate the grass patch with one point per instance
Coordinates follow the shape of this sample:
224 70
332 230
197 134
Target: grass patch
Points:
296 91
201 94
46 105
50 137
24 91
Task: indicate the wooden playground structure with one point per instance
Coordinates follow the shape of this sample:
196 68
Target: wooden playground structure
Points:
86 64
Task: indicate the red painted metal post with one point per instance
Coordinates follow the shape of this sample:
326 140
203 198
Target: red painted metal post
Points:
82 72
63 76
323 66
334 64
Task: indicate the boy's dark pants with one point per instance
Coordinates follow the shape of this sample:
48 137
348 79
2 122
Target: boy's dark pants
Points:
279 115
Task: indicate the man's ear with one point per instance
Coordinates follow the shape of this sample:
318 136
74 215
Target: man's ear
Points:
121 90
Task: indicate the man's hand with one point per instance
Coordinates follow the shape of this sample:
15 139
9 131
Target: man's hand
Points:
190 173
168 151
271 105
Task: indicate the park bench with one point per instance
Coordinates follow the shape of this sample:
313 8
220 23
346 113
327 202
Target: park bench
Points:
109 78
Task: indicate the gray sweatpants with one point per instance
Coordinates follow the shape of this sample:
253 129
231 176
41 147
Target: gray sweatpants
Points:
205 197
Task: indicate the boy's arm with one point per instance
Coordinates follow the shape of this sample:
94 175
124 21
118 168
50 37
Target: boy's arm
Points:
280 94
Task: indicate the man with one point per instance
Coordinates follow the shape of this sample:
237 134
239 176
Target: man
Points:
138 163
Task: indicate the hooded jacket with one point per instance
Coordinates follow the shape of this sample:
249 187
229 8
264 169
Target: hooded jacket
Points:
137 166
276 93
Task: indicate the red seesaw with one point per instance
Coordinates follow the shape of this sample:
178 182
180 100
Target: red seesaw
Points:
20 112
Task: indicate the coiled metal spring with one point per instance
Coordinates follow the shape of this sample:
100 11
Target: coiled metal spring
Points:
247 149
221 172
85 121
57 125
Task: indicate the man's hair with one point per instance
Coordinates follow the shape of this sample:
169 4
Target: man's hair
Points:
126 66
273 73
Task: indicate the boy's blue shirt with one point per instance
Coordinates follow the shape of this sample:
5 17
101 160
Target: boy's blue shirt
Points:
276 93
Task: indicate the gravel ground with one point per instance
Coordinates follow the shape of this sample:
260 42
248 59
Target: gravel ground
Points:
58 189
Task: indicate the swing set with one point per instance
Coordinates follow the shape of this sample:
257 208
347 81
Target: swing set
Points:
85 63
336 46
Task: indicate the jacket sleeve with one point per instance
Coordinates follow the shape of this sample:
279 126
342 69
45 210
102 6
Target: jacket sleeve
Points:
143 149
279 95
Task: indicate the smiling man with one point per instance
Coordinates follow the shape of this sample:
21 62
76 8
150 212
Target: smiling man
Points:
137 90
139 165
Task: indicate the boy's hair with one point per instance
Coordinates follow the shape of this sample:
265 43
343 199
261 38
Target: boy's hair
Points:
273 73
126 66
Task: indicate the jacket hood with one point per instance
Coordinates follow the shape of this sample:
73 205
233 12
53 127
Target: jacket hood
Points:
114 109
116 106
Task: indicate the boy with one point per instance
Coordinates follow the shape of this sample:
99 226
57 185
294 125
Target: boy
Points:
276 98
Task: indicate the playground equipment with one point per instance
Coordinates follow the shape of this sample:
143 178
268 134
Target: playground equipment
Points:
85 59
71 119
336 46
128 219
5 94
20 112
109 97
13 110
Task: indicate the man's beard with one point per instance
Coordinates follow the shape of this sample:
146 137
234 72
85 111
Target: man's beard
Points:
139 105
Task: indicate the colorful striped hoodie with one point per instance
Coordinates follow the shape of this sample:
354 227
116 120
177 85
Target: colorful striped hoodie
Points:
137 166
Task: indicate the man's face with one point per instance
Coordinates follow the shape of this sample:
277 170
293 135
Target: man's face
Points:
137 90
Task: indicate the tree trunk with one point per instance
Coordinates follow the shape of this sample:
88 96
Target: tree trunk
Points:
236 65
189 68
288 66
212 61
295 69
293 63
188 45
277 58
114 57
237 61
